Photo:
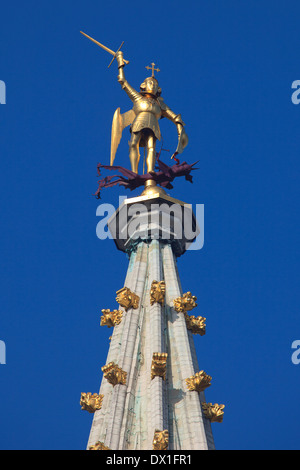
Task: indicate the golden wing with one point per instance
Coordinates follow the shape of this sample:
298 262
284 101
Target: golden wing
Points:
120 121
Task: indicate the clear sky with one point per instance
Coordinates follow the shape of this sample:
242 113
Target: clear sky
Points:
227 67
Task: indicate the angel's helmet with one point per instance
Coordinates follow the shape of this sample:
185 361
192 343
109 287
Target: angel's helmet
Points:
150 85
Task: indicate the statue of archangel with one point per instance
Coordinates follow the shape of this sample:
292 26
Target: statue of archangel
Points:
148 108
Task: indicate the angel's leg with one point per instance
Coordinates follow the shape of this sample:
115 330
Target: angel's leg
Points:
151 140
134 154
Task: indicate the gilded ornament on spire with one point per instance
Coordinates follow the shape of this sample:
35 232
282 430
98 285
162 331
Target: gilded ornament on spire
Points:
159 365
114 374
127 299
214 412
110 319
195 324
185 303
157 292
161 440
91 403
99 446
198 382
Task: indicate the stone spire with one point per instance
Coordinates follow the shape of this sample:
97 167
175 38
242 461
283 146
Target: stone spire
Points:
152 390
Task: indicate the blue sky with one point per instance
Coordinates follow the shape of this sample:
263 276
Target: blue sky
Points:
227 67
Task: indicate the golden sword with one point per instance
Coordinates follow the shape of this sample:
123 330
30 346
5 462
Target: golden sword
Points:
106 48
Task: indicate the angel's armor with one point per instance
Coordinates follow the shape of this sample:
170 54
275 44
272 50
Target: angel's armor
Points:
147 109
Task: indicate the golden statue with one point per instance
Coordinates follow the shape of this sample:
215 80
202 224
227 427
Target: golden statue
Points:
148 108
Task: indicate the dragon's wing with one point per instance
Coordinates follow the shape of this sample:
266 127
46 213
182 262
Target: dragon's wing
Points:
120 121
